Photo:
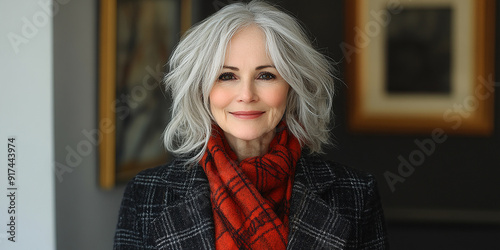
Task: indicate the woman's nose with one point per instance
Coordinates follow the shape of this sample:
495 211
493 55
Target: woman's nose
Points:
247 92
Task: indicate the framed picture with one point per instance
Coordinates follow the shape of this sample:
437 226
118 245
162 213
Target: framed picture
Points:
417 66
136 38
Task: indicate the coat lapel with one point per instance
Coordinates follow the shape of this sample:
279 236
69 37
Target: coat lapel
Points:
187 223
313 223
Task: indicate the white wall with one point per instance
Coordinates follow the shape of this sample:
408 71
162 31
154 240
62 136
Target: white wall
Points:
86 216
26 113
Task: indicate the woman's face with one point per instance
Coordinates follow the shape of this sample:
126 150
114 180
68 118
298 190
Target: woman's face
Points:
249 97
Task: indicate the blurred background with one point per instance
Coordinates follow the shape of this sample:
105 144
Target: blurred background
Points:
450 201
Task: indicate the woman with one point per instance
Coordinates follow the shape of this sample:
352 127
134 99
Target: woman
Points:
251 109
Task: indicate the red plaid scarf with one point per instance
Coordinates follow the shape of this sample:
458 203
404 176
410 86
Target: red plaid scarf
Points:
251 200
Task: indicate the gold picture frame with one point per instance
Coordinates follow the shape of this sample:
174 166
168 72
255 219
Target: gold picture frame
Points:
390 95
116 42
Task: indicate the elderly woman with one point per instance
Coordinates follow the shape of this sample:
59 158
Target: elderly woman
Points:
251 110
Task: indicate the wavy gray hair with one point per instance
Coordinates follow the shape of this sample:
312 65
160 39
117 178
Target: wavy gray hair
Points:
198 59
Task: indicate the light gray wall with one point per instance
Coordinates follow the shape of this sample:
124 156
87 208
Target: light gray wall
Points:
85 215
27 198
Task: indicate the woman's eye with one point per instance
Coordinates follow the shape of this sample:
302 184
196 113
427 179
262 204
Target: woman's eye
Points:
267 76
226 76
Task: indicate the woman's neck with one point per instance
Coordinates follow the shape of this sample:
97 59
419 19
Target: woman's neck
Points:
245 149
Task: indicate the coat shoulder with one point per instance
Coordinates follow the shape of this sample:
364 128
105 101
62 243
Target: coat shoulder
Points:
175 176
147 195
163 173
322 175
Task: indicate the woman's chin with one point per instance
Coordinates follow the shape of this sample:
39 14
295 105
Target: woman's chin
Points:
249 135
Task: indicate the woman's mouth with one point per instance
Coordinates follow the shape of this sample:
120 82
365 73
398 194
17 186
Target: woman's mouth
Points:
247 114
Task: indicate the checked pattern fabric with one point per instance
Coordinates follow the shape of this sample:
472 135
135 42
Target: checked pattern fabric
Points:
332 207
251 199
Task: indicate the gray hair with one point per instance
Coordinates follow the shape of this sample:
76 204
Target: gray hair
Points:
199 57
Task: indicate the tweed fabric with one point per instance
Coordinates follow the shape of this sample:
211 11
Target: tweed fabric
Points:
251 199
332 207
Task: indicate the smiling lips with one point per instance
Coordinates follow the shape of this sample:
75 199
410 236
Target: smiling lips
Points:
247 114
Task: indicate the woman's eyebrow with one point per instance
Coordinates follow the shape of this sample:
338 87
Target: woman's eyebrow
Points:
265 66
230 67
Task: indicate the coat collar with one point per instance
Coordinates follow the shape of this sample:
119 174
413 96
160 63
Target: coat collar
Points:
188 221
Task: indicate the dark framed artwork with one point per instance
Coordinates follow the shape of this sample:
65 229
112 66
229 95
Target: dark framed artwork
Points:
136 39
417 66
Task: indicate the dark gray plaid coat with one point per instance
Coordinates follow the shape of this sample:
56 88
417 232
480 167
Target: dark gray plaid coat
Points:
332 207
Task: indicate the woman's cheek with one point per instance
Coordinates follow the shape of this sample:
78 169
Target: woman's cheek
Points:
277 97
